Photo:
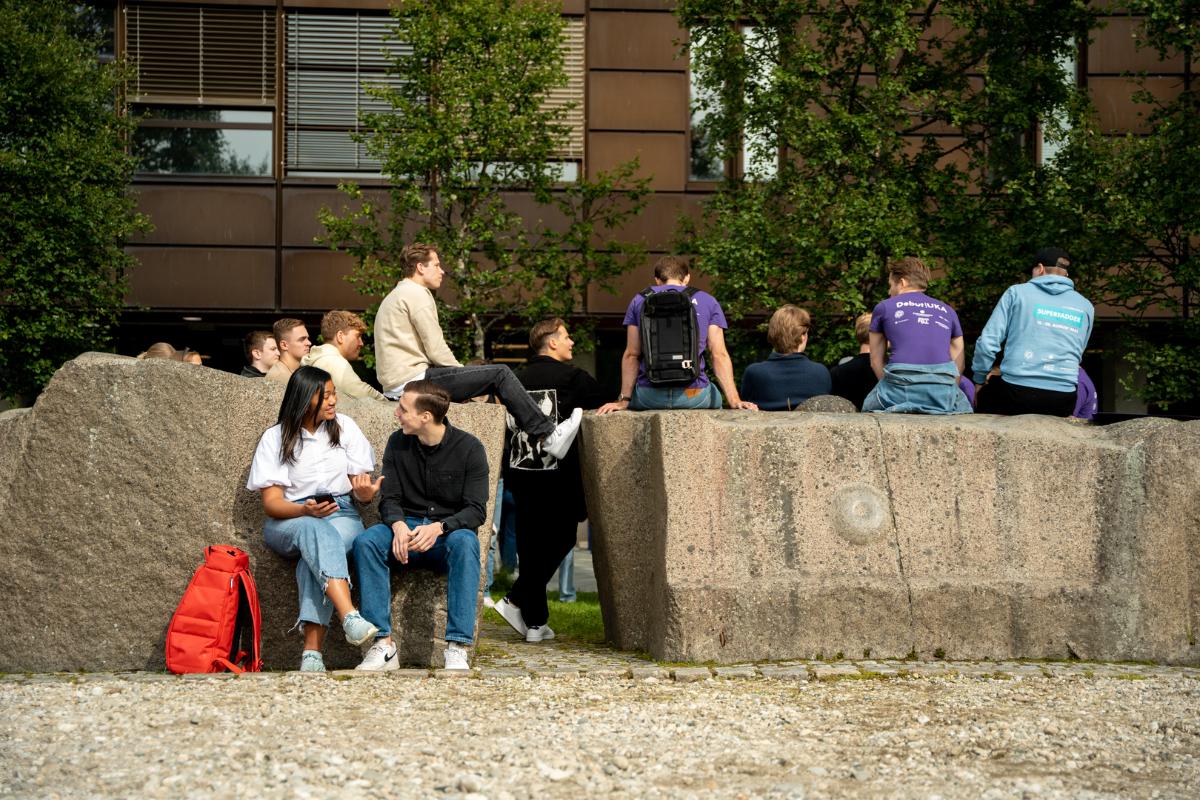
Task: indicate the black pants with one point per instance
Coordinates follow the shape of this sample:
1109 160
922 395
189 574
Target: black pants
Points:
463 383
1001 397
545 534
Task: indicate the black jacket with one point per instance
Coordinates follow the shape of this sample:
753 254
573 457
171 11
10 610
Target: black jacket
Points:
447 482
575 388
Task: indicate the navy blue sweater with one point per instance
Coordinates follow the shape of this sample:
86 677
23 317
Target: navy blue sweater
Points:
784 381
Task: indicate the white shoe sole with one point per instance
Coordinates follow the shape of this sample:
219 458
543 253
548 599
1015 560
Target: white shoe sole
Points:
539 636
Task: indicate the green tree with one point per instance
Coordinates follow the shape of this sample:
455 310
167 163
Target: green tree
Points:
468 127
1128 207
64 179
871 130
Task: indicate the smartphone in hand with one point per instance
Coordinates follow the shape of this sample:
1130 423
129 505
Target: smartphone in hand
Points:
324 497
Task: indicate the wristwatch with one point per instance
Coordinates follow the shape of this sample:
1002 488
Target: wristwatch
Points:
624 397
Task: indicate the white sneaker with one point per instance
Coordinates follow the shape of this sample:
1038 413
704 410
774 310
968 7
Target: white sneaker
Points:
456 656
511 614
539 633
380 658
559 442
488 602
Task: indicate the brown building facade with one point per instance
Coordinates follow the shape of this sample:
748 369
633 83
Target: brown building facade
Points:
247 107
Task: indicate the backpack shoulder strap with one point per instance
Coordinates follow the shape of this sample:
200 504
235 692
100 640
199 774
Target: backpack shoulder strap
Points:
647 292
691 291
251 593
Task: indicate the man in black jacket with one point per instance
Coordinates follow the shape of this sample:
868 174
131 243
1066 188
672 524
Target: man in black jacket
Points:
434 496
548 492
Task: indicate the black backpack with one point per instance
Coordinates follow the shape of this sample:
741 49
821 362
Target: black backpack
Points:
670 337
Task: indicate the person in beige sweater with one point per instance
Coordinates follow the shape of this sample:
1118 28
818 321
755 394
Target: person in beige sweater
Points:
342 334
409 346
294 344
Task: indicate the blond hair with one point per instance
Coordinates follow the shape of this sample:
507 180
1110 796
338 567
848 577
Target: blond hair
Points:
340 320
787 328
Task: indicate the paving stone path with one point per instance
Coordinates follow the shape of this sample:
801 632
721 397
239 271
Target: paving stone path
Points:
557 719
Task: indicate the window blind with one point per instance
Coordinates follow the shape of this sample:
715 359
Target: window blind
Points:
199 54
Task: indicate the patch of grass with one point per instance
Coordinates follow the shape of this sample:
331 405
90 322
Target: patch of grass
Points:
1130 676
577 622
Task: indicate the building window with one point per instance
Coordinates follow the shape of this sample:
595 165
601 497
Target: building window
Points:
757 157
1047 147
204 88
197 140
329 59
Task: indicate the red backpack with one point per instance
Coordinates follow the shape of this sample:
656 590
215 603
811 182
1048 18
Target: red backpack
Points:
218 609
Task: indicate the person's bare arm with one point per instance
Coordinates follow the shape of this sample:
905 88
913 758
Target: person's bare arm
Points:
629 370
723 368
878 354
279 507
957 348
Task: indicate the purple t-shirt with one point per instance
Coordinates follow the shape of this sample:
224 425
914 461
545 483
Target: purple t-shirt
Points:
1086 400
708 312
918 328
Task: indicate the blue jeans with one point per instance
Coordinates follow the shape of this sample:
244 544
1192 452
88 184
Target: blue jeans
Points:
918 389
456 553
566 579
650 398
321 545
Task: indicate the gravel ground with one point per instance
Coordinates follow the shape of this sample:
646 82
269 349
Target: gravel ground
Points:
497 736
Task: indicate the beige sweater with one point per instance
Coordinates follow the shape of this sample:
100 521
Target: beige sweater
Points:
345 379
279 373
408 336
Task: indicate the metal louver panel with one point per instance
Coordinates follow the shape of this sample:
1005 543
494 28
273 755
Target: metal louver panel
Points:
574 63
201 54
329 58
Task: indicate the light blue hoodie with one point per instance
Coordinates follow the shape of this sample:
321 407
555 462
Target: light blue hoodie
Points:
1043 326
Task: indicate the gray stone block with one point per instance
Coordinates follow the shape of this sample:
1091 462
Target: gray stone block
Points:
120 476
730 536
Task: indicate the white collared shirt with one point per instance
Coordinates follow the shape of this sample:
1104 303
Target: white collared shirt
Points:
319 467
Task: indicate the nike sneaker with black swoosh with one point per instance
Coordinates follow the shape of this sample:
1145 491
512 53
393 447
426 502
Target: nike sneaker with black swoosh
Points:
380 658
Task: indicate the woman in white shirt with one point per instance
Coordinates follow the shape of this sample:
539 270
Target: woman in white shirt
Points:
307 467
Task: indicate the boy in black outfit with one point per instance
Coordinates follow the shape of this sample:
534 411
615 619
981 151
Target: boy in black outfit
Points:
548 492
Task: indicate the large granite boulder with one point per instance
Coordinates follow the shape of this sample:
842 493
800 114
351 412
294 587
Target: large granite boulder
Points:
116 480
732 536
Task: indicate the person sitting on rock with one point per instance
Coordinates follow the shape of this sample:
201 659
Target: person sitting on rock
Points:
787 378
671 274
262 352
409 346
435 493
294 344
853 377
926 340
342 333
307 466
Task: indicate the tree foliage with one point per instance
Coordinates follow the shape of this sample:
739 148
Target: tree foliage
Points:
874 129
1129 206
468 127
64 177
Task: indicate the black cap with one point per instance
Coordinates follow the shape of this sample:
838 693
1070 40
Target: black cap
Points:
1049 256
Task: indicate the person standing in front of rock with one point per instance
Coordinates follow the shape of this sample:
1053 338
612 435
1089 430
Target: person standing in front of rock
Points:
307 467
547 492
922 373
1043 326
434 499
294 344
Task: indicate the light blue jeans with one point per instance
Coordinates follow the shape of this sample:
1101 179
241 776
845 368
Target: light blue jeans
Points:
652 398
566 579
321 545
455 553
